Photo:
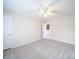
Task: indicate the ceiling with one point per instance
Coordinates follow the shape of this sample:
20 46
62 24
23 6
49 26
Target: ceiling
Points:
31 7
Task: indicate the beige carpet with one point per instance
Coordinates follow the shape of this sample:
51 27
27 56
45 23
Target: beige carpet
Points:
42 49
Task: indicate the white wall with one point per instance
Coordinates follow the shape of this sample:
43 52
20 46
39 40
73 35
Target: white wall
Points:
26 30
62 29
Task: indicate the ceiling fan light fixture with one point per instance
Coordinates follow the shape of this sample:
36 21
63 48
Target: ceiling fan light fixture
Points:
45 15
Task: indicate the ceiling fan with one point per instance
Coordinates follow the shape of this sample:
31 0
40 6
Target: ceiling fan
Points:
46 10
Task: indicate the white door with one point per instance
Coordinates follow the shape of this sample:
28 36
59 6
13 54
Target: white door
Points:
45 32
7 32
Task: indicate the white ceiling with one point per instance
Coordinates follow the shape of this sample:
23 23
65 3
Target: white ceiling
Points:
31 7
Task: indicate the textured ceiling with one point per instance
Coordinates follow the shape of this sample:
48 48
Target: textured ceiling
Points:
31 7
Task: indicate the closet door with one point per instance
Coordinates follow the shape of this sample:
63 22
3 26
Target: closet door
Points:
7 32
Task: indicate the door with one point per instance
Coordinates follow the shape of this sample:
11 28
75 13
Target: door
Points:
45 31
7 32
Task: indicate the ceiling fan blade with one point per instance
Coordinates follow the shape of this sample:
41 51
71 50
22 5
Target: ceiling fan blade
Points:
57 11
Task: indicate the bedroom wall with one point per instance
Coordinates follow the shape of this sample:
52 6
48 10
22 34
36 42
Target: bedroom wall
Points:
25 29
62 29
